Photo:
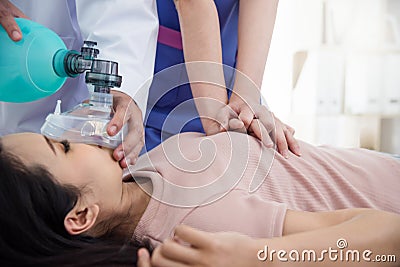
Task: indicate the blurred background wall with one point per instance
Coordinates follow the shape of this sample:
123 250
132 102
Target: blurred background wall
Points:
333 72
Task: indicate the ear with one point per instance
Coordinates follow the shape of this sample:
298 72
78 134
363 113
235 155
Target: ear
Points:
81 218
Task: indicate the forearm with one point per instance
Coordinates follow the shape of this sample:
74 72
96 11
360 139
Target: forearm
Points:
375 231
202 43
256 24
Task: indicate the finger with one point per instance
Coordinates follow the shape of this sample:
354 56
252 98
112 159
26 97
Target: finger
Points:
125 108
258 130
131 157
8 22
290 129
224 116
172 250
132 144
118 153
237 126
292 142
143 258
222 119
246 115
267 119
127 111
9 10
116 123
213 127
159 260
193 236
281 142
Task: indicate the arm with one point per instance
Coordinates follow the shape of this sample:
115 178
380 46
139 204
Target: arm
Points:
256 24
202 42
126 32
363 229
372 230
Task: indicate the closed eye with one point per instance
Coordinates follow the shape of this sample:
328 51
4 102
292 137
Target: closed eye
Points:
67 146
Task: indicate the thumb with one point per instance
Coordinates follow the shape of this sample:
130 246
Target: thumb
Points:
143 258
192 236
11 27
237 126
116 123
224 116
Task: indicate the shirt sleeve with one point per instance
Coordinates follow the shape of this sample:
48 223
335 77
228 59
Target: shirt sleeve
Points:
239 211
126 32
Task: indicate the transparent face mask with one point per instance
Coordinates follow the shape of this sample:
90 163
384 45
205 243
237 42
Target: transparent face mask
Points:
83 124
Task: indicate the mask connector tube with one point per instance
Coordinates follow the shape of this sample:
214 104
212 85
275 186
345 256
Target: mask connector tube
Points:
87 122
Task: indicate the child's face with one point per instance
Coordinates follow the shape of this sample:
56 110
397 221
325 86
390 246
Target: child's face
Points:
83 165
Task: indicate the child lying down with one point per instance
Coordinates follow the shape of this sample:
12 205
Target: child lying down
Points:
61 200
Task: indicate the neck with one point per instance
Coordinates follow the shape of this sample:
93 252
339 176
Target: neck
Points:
123 222
136 198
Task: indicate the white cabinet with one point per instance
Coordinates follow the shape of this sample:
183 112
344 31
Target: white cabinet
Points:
346 91
353 98
391 85
364 83
320 83
372 83
339 63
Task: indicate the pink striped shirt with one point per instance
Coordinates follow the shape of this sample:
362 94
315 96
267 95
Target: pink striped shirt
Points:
230 182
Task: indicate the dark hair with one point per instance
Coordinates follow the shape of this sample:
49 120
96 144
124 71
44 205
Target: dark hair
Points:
32 211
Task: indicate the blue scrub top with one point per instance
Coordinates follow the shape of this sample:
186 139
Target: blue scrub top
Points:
170 109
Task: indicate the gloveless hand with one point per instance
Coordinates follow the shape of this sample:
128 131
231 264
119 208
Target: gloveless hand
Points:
205 250
7 14
265 126
127 112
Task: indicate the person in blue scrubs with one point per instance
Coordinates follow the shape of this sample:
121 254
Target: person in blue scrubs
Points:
231 38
